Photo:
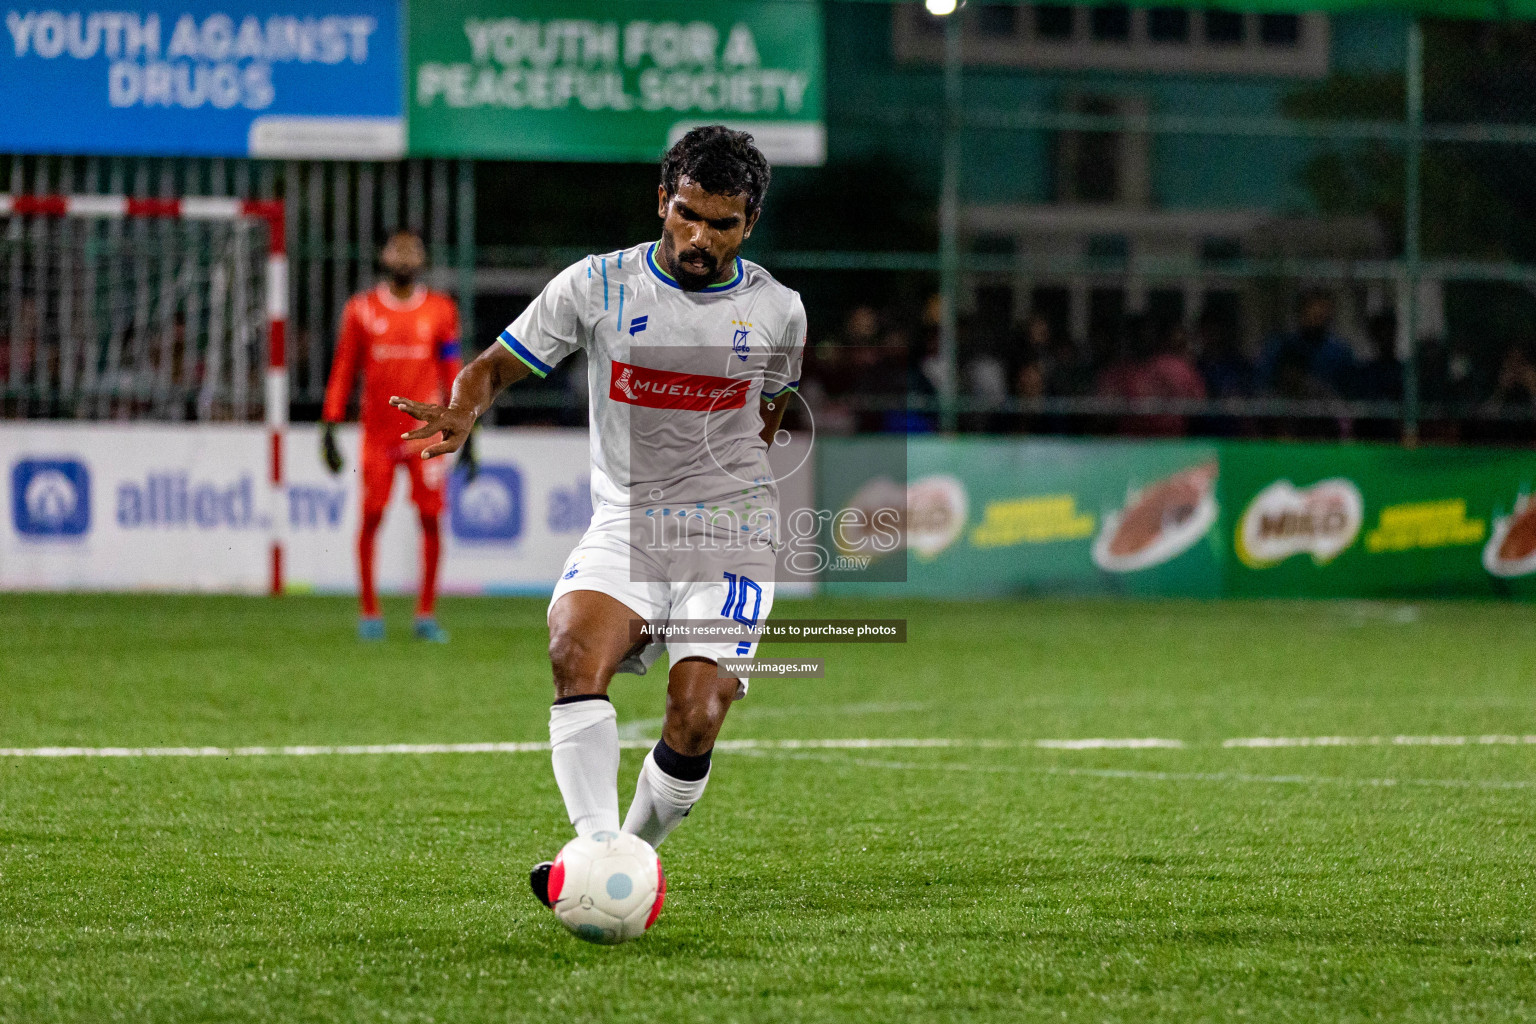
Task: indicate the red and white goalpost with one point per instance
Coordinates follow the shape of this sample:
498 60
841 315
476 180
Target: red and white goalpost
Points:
71 332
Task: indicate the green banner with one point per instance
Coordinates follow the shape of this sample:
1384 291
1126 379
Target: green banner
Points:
1377 521
615 80
1191 519
993 517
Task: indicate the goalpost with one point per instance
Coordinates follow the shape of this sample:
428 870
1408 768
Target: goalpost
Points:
122 308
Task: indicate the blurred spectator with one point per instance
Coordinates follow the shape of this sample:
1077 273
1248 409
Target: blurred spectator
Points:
1226 371
1516 385
842 363
1311 360
1514 394
933 372
1381 379
1029 384
842 369
1033 343
1029 378
1157 366
986 383
1295 381
1061 368
1069 374
1224 366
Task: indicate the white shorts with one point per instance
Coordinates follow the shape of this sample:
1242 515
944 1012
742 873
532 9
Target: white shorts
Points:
608 561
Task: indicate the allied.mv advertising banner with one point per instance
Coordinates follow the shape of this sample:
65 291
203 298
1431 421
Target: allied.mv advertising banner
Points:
318 79
612 79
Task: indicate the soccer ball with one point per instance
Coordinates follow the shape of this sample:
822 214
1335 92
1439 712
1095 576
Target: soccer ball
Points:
607 887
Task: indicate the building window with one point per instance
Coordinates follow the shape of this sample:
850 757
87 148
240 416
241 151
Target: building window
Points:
1053 22
997 21
1223 27
1121 39
1279 29
1165 307
930 25
1090 161
1110 24
1106 312
1168 25
1107 250
1216 249
1054 306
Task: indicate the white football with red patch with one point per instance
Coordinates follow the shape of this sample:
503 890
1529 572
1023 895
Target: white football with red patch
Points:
607 887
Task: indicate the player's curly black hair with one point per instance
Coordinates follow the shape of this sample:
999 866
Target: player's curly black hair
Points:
721 161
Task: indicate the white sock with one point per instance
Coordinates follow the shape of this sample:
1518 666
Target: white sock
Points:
661 802
584 747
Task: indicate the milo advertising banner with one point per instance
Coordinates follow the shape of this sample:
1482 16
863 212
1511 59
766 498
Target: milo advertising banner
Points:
1191 519
612 79
1378 521
991 517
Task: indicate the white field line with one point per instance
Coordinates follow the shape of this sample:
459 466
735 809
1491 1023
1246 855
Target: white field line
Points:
291 751
1380 741
1152 776
638 743
540 747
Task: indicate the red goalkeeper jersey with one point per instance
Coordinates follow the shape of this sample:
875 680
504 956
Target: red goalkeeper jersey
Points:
404 347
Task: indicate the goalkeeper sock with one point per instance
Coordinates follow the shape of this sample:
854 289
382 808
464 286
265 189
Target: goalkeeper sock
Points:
584 748
365 546
669 785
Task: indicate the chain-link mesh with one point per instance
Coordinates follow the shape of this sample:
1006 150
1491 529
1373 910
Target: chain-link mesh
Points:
132 318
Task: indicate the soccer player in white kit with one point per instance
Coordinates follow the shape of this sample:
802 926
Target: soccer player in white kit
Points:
691 355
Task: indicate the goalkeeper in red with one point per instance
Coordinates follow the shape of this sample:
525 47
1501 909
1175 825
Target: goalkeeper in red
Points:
404 340
691 351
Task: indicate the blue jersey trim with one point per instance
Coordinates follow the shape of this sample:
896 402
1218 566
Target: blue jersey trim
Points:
667 279
516 347
793 385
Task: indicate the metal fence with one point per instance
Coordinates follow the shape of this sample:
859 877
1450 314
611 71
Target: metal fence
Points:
338 214
1084 194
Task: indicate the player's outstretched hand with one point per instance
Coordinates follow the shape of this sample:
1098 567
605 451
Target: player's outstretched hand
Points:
453 424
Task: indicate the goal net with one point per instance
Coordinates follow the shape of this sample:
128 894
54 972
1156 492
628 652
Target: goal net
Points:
112 308
115 308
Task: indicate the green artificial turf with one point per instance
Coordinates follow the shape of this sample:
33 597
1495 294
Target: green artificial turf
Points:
979 881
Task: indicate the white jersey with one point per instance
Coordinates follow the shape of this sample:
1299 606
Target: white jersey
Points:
675 376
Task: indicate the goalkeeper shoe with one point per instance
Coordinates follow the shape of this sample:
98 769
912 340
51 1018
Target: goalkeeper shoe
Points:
427 629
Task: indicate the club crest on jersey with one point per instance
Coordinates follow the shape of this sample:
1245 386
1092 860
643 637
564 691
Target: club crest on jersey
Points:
739 340
637 324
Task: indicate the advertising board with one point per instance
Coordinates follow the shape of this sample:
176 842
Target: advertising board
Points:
258 78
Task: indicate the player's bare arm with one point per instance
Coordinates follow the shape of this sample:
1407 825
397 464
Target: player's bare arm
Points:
474 389
772 410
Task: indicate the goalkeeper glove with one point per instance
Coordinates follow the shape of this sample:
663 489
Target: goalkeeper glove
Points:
329 452
468 461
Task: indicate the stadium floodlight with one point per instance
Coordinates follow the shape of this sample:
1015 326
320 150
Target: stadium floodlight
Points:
123 314
941 8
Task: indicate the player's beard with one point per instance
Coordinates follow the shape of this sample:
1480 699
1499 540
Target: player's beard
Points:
688 280
402 281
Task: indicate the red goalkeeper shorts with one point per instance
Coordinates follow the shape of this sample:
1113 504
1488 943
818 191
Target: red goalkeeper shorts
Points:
429 477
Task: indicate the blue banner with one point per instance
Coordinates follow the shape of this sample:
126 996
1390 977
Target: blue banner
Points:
263 78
